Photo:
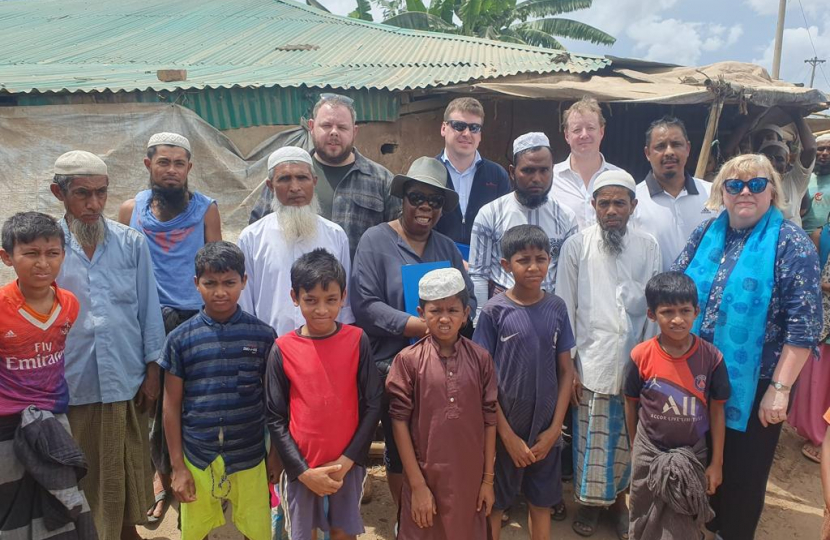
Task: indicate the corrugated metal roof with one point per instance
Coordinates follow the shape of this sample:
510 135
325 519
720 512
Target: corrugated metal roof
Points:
82 46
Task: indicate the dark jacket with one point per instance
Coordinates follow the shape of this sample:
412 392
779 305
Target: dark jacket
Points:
489 183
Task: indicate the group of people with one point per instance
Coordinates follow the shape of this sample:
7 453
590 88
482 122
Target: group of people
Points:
477 313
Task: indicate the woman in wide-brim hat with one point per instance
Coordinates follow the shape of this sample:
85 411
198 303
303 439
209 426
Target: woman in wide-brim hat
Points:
376 286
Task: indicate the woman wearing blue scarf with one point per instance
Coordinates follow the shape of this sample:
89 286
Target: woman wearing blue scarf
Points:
758 284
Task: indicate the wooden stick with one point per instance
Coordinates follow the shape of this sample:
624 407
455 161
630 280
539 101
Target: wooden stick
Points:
711 129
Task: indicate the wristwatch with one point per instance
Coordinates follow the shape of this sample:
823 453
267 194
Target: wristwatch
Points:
780 387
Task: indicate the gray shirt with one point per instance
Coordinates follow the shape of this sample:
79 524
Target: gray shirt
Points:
376 287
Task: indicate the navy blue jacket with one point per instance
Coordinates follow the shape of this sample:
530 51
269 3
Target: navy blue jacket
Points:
489 183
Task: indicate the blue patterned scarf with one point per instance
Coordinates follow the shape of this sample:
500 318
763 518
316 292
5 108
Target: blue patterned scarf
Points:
742 315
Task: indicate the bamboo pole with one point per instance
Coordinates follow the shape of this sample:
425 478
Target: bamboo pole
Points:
711 129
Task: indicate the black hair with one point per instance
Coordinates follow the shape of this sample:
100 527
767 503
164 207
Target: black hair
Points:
152 150
26 227
670 289
520 153
667 122
523 237
220 257
463 295
317 267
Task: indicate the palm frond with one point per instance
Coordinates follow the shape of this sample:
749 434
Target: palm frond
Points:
417 20
416 5
568 28
363 11
538 38
546 8
318 5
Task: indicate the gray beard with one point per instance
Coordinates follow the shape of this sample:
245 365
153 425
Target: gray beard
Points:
297 222
88 234
611 240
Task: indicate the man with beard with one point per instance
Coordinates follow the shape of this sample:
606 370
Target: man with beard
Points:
112 350
354 191
672 203
272 244
530 175
573 179
819 188
177 222
603 273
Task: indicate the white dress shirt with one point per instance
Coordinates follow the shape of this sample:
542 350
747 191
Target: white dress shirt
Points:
569 190
671 220
268 260
605 296
462 181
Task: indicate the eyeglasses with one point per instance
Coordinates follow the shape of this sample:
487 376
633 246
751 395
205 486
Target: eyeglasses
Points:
416 199
755 185
460 126
337 97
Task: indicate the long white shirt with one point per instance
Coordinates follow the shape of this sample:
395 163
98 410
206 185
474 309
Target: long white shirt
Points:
570 190
493 220
268 260
794 183
605 296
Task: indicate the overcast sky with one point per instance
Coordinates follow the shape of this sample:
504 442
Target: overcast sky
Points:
700 32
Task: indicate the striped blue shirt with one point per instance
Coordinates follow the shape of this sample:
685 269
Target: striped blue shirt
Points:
222 365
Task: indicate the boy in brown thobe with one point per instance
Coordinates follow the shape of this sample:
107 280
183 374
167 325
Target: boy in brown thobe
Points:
443 396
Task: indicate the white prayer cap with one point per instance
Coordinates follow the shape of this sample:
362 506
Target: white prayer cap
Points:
441 283
169 139
823 138
530 140
80 163
615 178
288 153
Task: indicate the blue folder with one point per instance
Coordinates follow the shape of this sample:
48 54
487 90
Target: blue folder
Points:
411 274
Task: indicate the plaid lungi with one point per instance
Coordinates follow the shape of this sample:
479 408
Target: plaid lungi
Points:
602 453
119 485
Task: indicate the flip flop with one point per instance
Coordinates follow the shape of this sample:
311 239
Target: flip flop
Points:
161 497
585 522
559 512
811 452
623 520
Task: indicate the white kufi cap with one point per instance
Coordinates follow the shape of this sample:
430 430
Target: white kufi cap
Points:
823 138
530 140
289 153
615 178
441 283
80 163
169 139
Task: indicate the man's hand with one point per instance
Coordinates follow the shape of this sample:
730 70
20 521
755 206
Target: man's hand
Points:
148 393
183 486
714 478
544 442
273 465
346 465
576 395
486 498
423 506
521 455
319 481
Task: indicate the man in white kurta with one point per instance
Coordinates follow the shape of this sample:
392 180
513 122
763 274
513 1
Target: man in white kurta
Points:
272 244
603 271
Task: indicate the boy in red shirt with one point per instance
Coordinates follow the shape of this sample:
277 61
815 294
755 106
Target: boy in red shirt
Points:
35 317
323 396
680 383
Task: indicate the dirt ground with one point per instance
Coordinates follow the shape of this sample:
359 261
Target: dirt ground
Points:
793 506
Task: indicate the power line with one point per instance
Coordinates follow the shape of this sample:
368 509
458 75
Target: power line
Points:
814 61
815 53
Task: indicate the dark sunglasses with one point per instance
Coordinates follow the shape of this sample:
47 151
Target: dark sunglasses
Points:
416 199
460 126
755 185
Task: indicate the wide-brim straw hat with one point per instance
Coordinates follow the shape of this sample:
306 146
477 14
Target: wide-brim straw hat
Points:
429 171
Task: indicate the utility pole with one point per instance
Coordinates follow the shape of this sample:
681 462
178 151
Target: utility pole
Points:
814 61
779 38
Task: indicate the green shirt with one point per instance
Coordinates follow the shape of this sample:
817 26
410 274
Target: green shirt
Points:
819 192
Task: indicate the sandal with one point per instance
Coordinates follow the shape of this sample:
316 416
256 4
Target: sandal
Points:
811 452
559 512
161 497
505 517
623 520
585 522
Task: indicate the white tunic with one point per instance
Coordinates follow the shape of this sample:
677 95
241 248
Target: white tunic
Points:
569 190
605 296
268 260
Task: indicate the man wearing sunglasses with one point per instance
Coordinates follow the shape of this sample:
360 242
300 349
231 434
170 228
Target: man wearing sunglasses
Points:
672 201
477 181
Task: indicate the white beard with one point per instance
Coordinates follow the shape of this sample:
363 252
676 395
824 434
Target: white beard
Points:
297 222
88 234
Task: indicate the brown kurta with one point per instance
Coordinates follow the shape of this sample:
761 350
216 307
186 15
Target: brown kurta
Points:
447 403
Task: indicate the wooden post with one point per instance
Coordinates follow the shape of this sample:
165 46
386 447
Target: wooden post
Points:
711 130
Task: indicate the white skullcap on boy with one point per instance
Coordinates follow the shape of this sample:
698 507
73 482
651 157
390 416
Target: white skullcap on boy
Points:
441 283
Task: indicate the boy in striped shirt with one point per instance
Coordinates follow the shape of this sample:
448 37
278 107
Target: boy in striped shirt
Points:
214 416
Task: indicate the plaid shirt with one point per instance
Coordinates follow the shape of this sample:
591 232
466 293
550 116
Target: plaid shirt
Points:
361 200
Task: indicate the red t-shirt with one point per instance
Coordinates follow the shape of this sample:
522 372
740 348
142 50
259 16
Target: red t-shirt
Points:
674 393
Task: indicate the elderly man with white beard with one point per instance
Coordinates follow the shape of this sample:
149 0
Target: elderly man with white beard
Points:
272 244
112 350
